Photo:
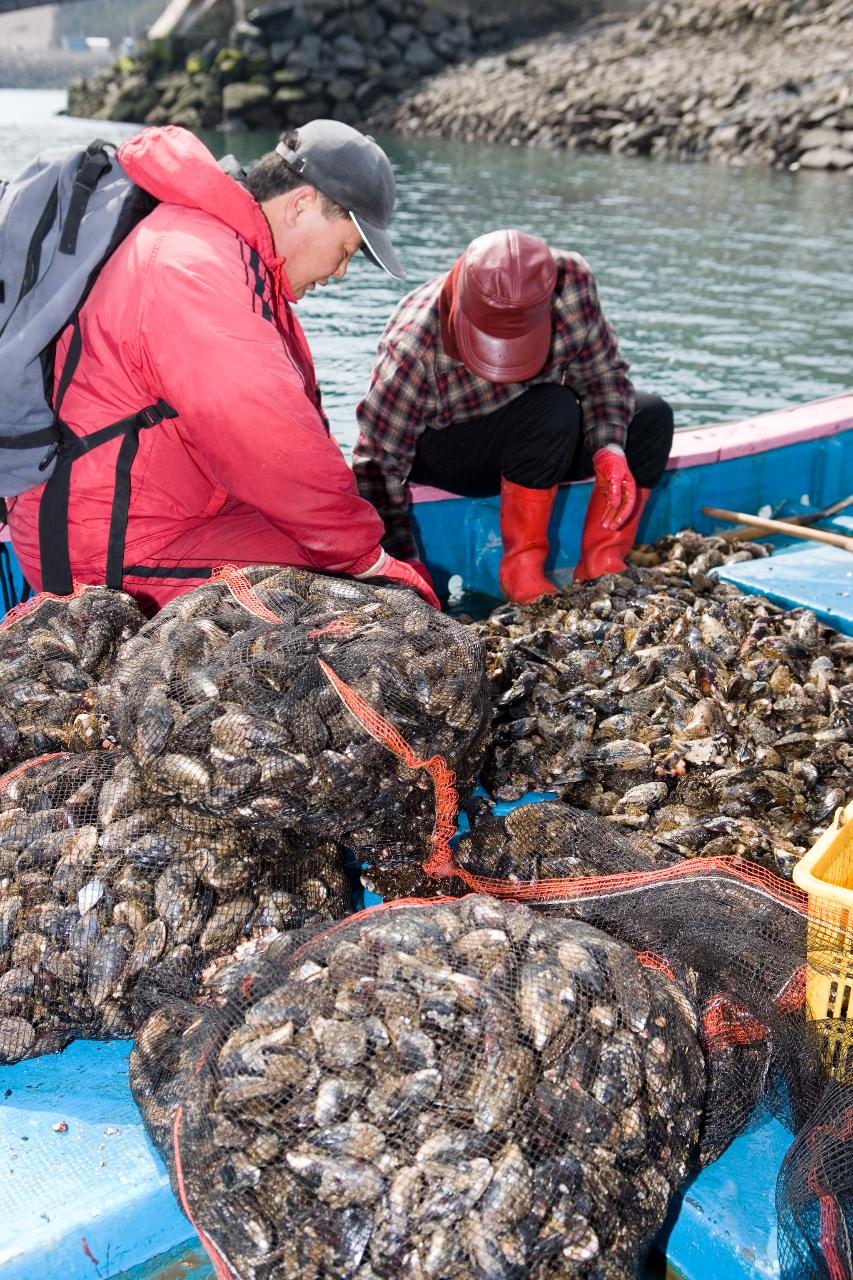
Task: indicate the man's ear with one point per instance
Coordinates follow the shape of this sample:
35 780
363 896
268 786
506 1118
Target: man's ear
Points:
302 201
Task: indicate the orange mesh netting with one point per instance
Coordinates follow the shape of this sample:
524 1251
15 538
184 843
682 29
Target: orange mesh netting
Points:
37 602
319 704
440 861
238 583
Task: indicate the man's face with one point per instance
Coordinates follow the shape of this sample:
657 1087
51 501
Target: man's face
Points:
315 247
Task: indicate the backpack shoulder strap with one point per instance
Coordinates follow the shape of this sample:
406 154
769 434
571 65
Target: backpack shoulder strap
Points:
94 163
54 550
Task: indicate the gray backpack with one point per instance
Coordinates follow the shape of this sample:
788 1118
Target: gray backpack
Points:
59 222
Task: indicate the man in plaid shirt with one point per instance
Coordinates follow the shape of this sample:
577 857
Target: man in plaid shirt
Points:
503 375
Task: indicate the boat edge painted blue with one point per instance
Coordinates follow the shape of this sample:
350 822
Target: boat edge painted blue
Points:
461 536
723 1226
809 575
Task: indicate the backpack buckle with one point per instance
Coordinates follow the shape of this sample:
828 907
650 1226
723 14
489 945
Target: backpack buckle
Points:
153 414
49 456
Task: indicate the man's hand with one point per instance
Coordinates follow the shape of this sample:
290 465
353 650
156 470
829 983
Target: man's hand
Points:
613 475
409 573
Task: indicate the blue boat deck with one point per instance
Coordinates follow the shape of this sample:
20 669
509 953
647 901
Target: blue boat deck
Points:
807 574
90 1201
460 537
94 1202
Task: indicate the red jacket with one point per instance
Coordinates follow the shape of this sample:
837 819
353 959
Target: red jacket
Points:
194 308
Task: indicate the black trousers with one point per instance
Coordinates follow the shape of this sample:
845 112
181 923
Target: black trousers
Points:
537 441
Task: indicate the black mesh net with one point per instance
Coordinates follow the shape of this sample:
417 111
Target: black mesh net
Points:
54 651
343 709
107 904
741 953
713 722
814 1193
550 841
733 937
443 1089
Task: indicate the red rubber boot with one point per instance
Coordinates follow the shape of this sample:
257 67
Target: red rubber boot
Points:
604 550
524 531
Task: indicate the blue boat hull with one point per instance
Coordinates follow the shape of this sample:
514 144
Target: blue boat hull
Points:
461 536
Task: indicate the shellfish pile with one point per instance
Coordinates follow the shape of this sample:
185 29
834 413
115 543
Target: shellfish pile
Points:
53 654
231 703
551 841
693 555
441 1090
106 903
716 723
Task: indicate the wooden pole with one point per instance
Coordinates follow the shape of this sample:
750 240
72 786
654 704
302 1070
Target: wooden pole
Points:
812 517
780 526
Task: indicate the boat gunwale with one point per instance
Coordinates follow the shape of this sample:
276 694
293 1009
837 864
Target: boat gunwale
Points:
721 441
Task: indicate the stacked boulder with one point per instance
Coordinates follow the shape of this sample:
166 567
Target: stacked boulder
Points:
746 82
287 63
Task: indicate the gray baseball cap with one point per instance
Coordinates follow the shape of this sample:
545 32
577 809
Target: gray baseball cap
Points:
353 170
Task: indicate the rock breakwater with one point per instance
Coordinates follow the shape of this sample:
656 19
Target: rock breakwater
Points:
746 82
765 82
286 64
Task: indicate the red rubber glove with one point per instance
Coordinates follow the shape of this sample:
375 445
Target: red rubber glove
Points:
613 475
405 573
420 567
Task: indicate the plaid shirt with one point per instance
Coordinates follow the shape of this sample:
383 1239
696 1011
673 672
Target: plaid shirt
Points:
416 386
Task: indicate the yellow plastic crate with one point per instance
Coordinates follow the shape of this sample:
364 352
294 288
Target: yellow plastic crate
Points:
826 875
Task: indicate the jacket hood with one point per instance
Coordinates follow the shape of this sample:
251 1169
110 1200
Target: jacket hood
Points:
174 166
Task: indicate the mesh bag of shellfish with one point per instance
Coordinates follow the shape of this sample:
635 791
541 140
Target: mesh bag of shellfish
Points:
445 1089
713 722
342 708
550 840
534 843
107 903
54 651
815 1192
733 937
733 933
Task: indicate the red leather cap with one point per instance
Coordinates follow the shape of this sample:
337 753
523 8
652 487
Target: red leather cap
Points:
502 314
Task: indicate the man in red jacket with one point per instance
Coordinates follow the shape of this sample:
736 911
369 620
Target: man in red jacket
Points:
503 376
193 313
